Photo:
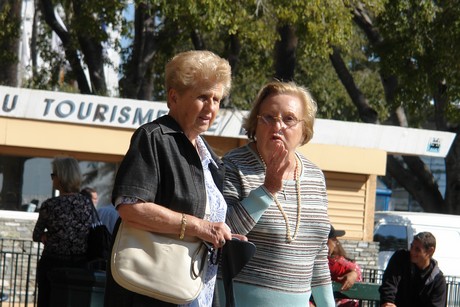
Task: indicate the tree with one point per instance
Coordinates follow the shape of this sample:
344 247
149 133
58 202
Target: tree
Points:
411 46
83 33
10 167
381 62
419 72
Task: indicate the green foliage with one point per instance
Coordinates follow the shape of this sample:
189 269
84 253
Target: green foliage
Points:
254 70
49 75
422 48
254 24
10 31
318 75
89 20
417 44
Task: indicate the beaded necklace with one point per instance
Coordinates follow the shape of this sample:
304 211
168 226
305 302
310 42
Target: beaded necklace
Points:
280 208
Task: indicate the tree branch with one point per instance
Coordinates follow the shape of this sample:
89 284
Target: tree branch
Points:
144 47
93 54
71 53
197 40
417 179
366 112
440 106
285 53
452 197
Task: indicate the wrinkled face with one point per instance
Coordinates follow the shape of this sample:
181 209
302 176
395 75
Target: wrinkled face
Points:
283 112
419 255
196 108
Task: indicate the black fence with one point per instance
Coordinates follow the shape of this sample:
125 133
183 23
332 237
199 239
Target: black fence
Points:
453 285
18 263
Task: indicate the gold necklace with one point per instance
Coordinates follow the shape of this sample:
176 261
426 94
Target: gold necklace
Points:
278 204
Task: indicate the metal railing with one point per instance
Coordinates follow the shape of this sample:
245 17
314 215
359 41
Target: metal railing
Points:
453 285
18 263
453 291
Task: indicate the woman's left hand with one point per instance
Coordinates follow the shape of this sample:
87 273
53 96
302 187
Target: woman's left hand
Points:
348 280
239 237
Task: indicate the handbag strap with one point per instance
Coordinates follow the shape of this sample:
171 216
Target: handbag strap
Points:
95 216
204 253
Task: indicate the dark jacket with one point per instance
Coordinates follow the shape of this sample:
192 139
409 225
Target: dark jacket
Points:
161 166
405 285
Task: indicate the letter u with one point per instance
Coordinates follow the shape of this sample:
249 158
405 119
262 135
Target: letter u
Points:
5 107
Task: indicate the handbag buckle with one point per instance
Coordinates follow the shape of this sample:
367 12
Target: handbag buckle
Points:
214 253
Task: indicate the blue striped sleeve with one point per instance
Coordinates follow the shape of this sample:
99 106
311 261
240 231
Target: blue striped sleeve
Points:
257 202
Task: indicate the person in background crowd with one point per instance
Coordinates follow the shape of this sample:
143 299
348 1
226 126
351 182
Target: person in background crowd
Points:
109 216
62 226
343 269
91 194
170 180
413 278
278 198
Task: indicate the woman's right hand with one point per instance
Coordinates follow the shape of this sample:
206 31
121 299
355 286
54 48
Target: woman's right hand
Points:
216 233
276 165
156 218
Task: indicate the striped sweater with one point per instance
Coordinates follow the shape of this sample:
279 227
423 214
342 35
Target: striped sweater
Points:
287 267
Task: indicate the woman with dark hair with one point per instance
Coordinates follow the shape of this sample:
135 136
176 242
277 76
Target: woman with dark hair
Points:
343 269
413 277
63 225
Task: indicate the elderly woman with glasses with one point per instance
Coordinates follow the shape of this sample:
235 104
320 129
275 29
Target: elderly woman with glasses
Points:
277 197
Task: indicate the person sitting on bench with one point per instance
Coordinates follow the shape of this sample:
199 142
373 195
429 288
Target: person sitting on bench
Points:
413 278
343 269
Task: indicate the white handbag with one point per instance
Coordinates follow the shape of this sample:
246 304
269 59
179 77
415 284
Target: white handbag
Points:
160 266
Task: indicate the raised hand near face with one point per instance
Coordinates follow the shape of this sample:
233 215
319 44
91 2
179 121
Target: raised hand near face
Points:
277 164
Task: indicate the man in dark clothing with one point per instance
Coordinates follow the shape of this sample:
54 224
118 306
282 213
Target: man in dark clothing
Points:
413 278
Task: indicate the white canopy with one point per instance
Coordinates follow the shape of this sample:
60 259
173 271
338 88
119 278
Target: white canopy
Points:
129 113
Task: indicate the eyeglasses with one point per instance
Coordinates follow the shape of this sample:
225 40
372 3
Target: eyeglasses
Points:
53 175
288 120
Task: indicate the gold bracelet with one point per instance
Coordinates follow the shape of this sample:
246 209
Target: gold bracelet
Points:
183 224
